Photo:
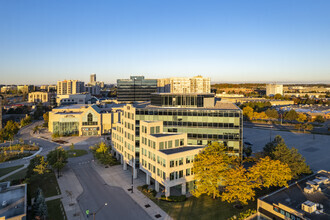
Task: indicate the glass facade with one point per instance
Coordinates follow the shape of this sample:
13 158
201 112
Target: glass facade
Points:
135 89
171 100
66 128
203 126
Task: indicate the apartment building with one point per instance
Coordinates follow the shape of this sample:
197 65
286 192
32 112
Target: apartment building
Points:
37 97
273 89
137 88
197 84
82 120
70 87
194 118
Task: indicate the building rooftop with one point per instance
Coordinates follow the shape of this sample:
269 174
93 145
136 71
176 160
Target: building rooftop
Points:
13 199
181 149
165 134
302 191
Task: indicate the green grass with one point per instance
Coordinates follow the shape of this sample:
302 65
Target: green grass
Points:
16 176
78 152
55 211
4 171
47 182
203 207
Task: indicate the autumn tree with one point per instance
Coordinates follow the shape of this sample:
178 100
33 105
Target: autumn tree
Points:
301 117
267 173
248 112
291 115
239 187
320 119
42 167
272 113
209 168
46 119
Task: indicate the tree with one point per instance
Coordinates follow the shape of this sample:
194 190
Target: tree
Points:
272 113
33 163
238 186
209 168
41 168
72 146
320 119
57 159
26 121
277 96
267 172
292 158
102 148
247 150
301 117
270 147
36 129
39 206
248 112
291 115
46 119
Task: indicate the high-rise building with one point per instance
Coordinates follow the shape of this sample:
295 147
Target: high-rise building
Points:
70 87
93 78
197 84
137 88
273 89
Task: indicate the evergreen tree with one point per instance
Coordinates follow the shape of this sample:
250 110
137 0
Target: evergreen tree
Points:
39 206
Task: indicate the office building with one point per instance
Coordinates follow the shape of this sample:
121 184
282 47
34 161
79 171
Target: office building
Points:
273 89
40 97
25 89
93 81
197 84
306 199
197 115
70 87
93 89
137 88
164 157
13 201
82 120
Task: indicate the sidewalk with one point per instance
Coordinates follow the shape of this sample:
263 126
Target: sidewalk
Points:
116 176
15 171
70 189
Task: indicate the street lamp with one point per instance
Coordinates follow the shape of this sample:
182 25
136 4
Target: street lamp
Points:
94 213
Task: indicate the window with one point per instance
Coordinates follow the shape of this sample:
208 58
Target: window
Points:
181 161
180 173
181 142
157 129
188 159
177 142
152 130
172 176
161 145
188 172
169 144
172 163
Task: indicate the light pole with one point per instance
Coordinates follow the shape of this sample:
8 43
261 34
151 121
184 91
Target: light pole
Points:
94 213
133 164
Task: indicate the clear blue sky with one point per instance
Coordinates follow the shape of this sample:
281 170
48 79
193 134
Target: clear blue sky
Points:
42 41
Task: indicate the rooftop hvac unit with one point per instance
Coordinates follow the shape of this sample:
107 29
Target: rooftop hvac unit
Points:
308 206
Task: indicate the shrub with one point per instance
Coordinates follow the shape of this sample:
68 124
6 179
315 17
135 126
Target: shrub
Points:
243 215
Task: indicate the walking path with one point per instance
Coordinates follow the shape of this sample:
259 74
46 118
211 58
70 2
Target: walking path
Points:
53 197
15 171
116 176
70 189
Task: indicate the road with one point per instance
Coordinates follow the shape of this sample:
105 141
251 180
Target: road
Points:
97 193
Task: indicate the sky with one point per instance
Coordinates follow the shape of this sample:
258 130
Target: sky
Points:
42 42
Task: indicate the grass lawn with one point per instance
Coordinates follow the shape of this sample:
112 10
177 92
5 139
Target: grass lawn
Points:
78 152
55 211
46 182
16 176
4 171
204 207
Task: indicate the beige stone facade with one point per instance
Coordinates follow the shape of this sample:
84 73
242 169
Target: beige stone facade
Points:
70 87
82 120
197 84
36 97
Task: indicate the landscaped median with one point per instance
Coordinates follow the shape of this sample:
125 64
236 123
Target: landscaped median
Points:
76 153
17 151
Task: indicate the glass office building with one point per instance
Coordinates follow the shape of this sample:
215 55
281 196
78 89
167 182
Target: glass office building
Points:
137 88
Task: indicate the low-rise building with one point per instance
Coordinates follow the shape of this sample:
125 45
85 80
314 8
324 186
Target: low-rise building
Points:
72 99
273 89
82 120
306 199
13 201
25 89
40 97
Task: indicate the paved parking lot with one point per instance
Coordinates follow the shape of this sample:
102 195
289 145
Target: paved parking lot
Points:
315 149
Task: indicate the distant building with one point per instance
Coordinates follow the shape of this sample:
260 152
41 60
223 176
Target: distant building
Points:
70 87
40 97
197 84
93 89
82 120
137 88
93 78
25 89
49 88
83 98
273 89
305 199
14 201
8 89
